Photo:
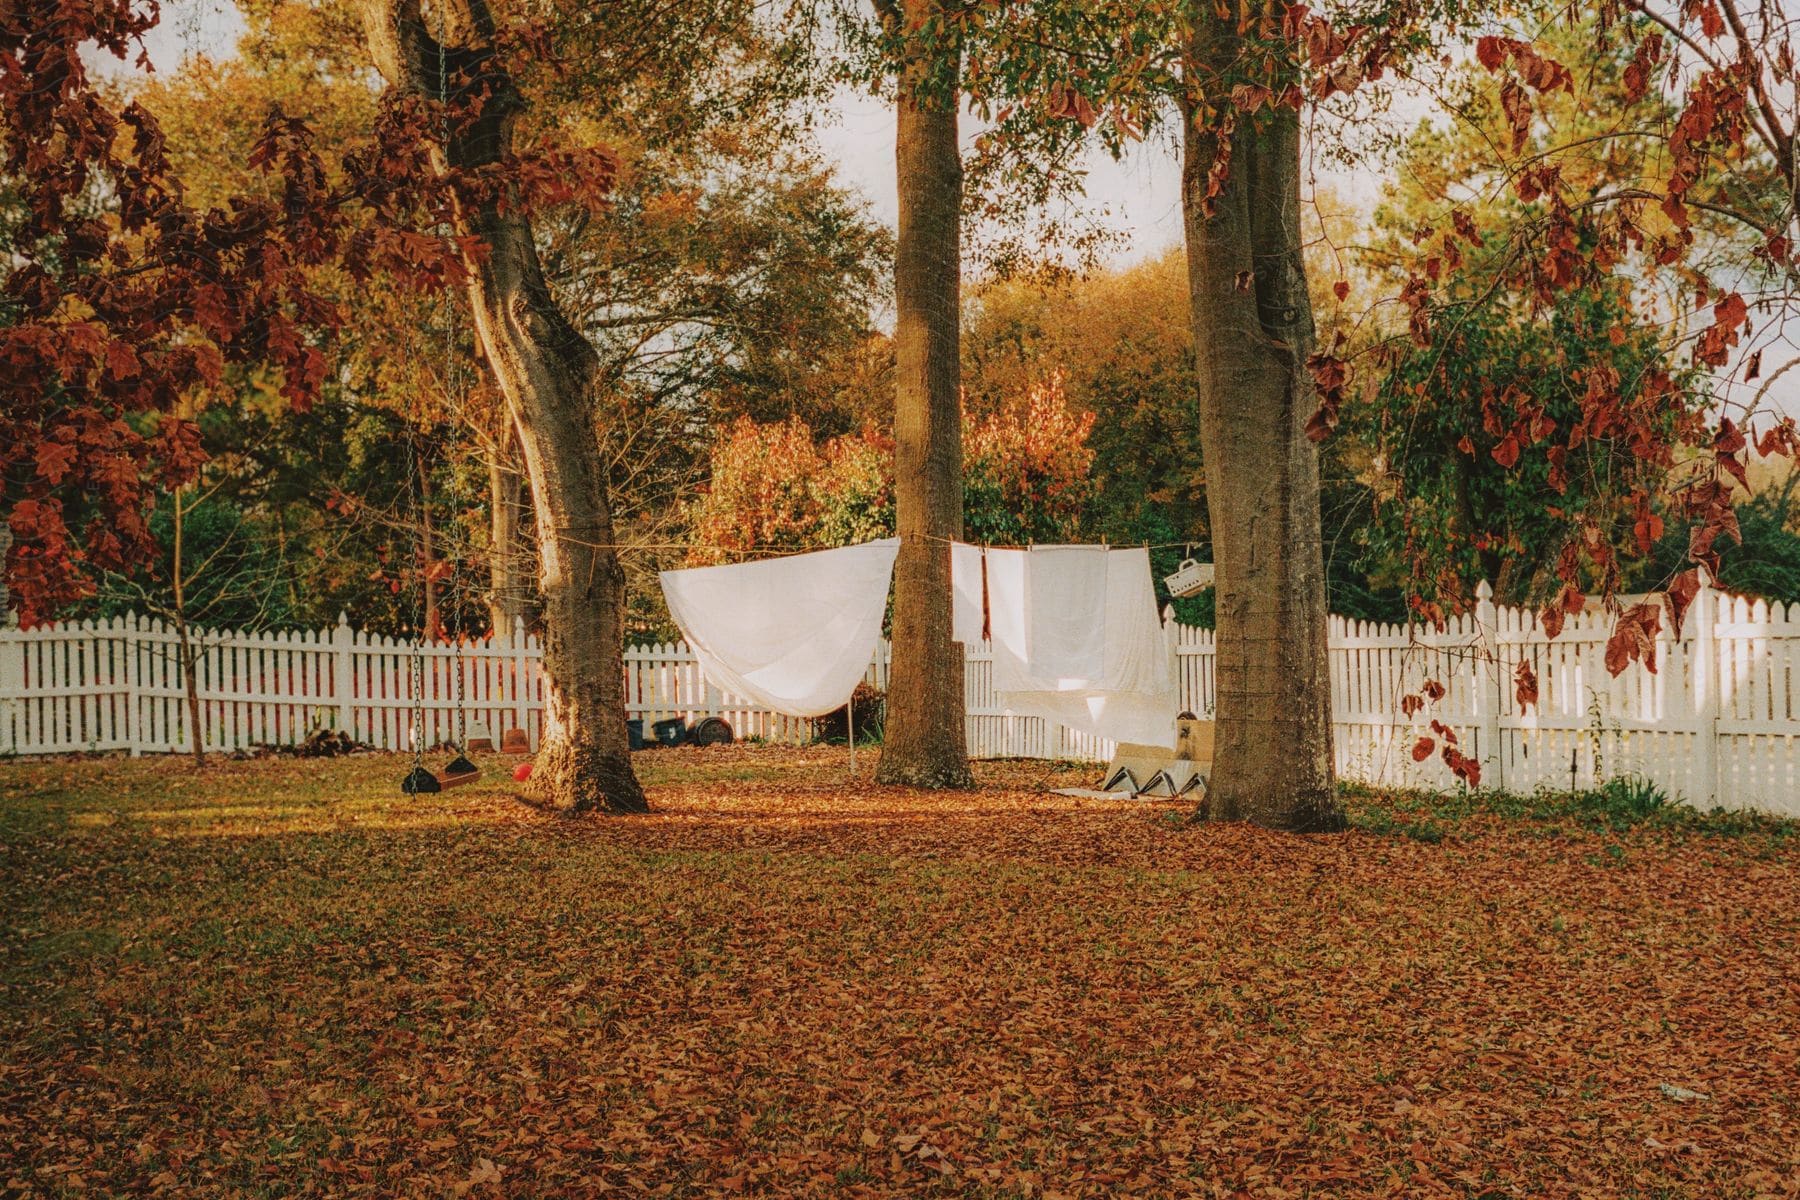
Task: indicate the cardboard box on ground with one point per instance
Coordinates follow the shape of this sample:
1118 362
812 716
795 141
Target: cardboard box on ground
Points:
1137 770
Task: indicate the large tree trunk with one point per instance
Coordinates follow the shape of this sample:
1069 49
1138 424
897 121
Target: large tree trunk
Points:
509 587
925 743
1253 331
545 370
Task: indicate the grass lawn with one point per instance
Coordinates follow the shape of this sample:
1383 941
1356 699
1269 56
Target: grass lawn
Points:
283 978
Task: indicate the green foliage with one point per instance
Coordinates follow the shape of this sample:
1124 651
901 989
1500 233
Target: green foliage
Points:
301 515
1619 805
1506 442
1461 495
1765 564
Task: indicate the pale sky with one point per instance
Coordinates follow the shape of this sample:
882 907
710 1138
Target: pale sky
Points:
1140 195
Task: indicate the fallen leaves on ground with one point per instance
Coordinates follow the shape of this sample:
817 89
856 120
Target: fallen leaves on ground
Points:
285 978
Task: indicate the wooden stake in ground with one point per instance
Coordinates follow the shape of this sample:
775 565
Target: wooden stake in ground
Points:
925 743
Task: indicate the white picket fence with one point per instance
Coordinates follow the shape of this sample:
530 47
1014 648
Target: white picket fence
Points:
1716 724
118 685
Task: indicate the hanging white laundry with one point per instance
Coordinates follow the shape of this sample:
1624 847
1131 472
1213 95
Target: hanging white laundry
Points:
794 634
967 613
1077 641
1066 595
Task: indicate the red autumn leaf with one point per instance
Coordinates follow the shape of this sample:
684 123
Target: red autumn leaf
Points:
1729 439
1422 748
1465 225
121 360
1643 63
1506 451
1491 51
1525 686
1341 289
1780 438
1682 591
1715 342
1434 690
1463 766
1249 97
1410 704
54 460
1634 638
1550 620
1517 106
1558 457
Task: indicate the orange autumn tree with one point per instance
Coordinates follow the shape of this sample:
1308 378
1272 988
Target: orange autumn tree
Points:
775 488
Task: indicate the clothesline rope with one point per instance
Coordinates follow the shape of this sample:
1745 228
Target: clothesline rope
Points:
787 552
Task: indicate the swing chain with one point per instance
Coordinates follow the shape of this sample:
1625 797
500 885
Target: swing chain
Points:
462 714
418 697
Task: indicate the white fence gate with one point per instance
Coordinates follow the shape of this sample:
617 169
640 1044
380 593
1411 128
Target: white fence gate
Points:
1717 723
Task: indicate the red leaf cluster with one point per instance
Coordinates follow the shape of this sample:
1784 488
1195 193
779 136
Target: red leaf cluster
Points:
1330 374
120 321
1535 70
117 316
1634 637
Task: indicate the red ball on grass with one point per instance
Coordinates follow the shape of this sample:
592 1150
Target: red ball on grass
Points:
522 772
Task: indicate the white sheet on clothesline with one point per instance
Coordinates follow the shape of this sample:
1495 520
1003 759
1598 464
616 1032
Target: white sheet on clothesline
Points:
967 615
1077 641
794 634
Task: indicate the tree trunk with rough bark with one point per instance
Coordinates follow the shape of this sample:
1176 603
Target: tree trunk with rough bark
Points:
1253 331
545 370
925 744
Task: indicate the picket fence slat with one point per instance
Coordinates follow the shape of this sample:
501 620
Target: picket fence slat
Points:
1718 723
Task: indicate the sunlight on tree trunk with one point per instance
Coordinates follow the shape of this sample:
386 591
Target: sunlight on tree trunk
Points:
925 743
1253 331
545 370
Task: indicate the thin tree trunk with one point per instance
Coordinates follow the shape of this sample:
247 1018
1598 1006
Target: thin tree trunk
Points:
925 743
434 619
6 540
184 645
545 370
509 599
1253 331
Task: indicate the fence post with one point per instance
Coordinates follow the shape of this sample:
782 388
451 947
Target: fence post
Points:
1490 702
12 680
518 679
343 665
1703 687
129 642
